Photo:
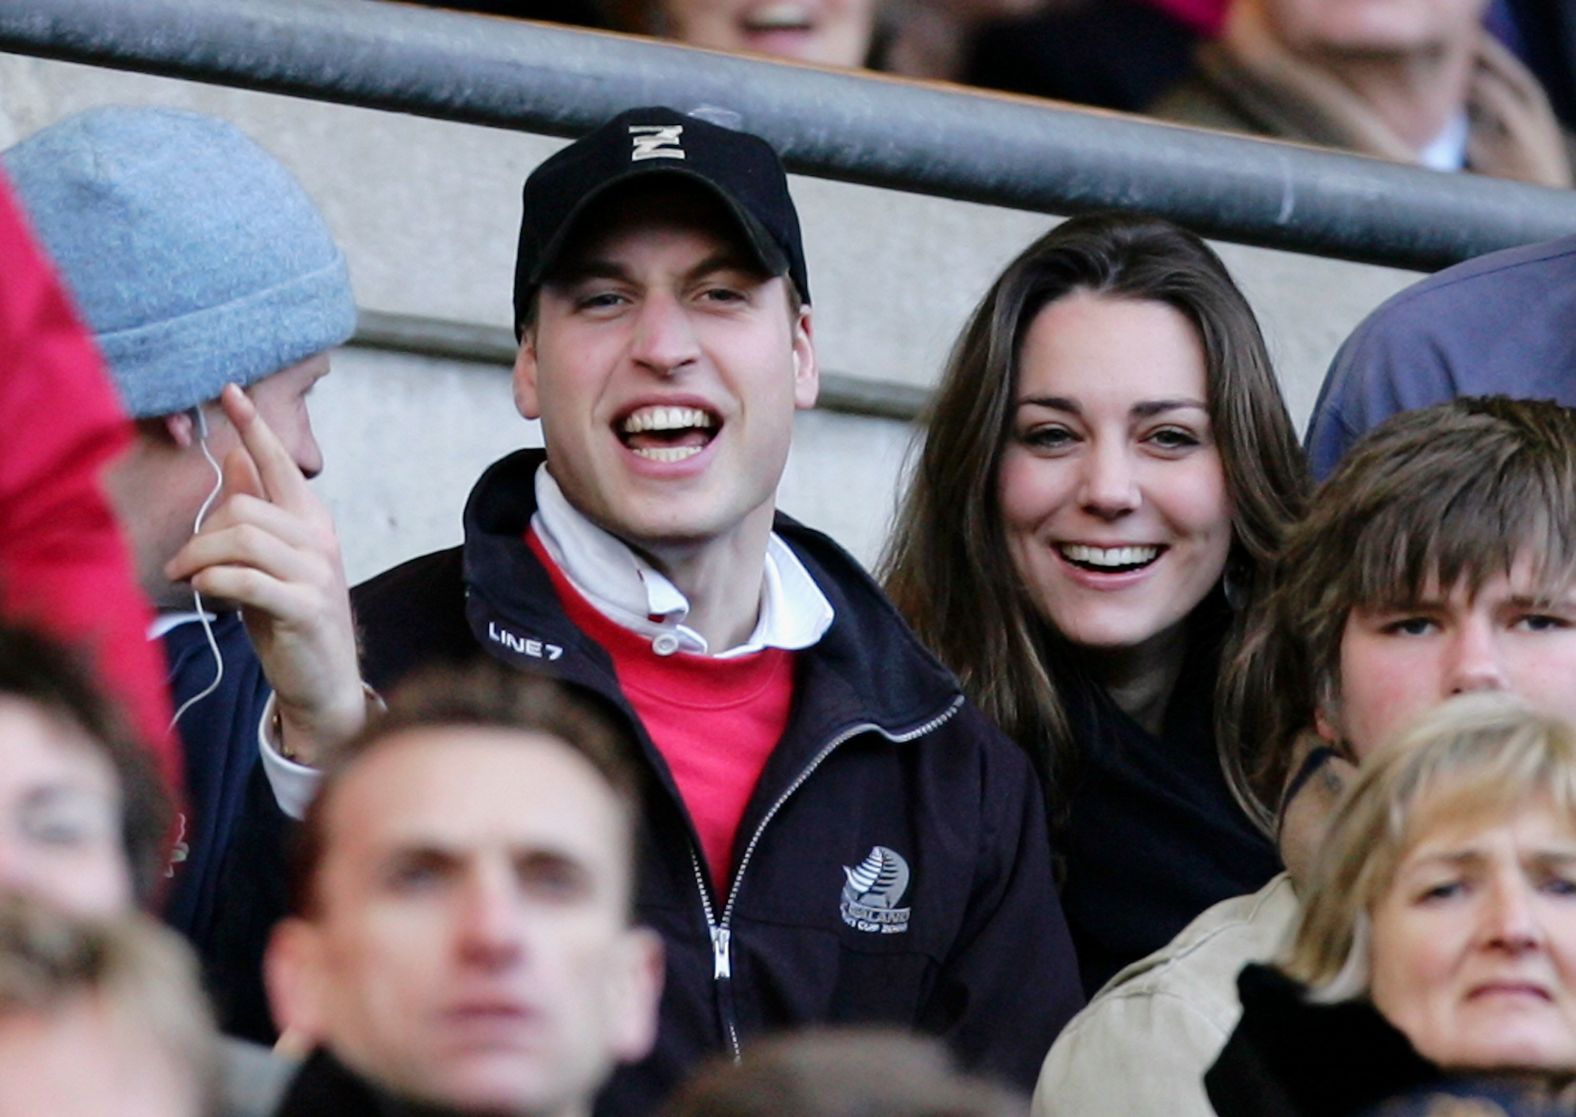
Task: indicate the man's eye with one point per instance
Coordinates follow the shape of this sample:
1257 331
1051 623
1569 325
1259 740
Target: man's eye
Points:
1408 626
414 876
1543 622
553 878
63 824
599 300
1558 884
723 295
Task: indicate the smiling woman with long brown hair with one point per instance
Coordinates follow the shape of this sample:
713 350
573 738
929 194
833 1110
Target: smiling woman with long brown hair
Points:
1107 467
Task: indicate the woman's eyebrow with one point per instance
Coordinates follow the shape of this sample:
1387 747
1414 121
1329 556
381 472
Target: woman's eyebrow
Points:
1143 409
1053 403
1433 859
1147 408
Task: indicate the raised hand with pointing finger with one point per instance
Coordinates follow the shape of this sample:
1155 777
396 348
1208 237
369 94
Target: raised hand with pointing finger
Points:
269 547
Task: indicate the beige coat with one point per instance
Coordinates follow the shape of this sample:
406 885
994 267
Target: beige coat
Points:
1141 1047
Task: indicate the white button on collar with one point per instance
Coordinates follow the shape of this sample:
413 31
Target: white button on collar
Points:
665 643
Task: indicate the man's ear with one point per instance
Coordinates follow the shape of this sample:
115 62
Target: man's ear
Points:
180 427
526 401
1325 721
636 992
806 373
293 973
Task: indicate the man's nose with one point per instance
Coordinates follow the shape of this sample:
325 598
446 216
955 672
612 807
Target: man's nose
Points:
664 339
309 457
490 919
1474 658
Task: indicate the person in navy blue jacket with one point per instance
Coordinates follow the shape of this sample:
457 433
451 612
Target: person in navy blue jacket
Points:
1494 325
835 834
214 290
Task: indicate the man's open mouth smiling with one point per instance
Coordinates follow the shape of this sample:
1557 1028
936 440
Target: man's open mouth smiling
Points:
667 433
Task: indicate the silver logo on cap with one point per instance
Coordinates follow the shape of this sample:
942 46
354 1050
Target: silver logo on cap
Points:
656 141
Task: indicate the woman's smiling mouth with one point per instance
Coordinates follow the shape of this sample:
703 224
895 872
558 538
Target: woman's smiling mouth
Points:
1109 560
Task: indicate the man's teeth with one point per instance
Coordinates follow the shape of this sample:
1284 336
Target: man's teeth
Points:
666 419
1109 556
666 453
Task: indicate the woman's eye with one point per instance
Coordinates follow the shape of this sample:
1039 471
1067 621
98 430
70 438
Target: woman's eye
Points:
68 823
1444 890
59 832
1048 437
1174 438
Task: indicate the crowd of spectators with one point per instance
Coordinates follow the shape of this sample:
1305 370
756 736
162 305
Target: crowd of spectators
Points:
1143 776
1487 86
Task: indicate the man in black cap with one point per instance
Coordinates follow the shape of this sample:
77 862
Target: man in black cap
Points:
834 833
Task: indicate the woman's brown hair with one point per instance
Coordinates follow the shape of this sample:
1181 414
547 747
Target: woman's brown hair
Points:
947 566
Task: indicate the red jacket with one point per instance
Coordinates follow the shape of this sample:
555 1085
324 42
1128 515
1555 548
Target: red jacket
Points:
64 565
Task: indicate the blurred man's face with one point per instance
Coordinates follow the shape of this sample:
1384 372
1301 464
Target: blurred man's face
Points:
828 32
471 943
61 836
1380 27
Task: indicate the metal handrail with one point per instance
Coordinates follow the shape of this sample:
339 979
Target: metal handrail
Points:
923 138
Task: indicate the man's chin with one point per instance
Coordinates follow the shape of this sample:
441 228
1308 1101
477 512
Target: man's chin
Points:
478 1093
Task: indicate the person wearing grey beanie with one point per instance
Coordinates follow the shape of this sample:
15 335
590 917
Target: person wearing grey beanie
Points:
215 290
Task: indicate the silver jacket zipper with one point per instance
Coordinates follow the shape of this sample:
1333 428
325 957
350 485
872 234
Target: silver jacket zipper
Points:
721 933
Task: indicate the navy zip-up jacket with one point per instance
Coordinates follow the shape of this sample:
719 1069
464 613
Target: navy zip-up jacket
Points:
892 866
230 890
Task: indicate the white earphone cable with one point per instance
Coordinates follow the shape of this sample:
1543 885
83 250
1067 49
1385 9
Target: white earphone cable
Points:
202 615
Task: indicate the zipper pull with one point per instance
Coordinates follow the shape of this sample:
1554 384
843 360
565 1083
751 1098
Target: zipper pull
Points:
722 963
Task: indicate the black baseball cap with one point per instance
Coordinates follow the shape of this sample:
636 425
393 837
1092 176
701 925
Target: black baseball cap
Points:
741 169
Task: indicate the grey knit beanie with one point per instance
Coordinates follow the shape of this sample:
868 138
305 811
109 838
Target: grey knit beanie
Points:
192 253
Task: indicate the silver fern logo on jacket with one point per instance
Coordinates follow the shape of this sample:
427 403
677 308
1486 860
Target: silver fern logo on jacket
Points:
873 890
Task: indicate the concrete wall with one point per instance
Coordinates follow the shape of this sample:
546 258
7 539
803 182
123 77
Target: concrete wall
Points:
428 214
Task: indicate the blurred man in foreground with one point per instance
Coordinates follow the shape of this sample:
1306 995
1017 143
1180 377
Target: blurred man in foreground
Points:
463 932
